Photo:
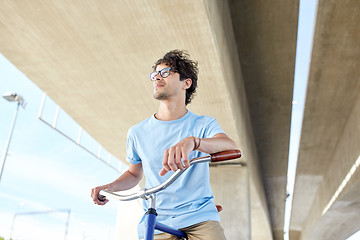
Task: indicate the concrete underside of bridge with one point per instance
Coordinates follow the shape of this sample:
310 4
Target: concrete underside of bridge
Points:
93 58
330 138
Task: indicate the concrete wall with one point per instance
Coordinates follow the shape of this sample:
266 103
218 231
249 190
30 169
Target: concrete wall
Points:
330 137
221 23
230 185
343 216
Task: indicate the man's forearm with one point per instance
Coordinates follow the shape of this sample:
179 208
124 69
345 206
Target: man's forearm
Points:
127 180
220 142
124 182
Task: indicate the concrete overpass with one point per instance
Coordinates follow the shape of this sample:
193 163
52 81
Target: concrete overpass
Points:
93 58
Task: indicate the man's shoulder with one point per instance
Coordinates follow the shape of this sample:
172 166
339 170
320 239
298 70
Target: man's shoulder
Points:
201 118
140 125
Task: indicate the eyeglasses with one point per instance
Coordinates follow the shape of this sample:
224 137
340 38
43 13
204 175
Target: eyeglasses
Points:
165 72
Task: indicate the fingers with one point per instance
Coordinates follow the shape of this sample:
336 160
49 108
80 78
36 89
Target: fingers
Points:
95 196
163 171
166 167
176 157
185 158
171 160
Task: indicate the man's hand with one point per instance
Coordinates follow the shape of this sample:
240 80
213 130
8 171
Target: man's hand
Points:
176 157
95 194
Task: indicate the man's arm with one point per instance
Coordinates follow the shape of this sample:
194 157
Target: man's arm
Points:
220 142
127 180
172 156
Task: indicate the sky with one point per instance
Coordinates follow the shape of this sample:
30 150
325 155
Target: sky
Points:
45 173
305 35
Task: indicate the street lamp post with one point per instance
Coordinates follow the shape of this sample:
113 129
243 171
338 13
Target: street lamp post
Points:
11 97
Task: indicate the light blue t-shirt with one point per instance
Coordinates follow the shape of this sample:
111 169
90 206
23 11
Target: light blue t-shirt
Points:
189 199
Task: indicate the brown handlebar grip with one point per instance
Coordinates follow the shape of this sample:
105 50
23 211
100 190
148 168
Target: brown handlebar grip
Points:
101 198
225 155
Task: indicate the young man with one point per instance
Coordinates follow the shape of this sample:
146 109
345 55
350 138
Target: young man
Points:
165 142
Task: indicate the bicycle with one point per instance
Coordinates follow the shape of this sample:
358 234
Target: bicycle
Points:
150 194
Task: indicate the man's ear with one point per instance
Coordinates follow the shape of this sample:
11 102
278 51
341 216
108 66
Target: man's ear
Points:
187 83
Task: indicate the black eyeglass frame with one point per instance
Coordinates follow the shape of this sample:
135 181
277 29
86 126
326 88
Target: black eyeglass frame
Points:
163 71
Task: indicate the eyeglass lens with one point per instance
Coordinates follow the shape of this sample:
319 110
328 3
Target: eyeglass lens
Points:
163 73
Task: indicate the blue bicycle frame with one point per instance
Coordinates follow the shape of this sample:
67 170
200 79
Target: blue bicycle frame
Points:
151 224
150 194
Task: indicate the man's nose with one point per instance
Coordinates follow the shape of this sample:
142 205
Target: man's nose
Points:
158 76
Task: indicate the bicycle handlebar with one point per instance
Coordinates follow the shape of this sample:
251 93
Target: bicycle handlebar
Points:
146 193
225 155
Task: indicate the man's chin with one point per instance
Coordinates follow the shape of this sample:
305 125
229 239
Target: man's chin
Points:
160 96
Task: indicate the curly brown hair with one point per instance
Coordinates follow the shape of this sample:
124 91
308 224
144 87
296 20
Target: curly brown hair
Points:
180 61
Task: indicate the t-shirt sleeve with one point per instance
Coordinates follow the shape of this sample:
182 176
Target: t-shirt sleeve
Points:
131 154
212 128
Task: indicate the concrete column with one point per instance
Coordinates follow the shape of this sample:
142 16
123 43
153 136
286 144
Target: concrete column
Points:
230 186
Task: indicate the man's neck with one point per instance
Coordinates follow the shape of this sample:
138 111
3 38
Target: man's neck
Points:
169 111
